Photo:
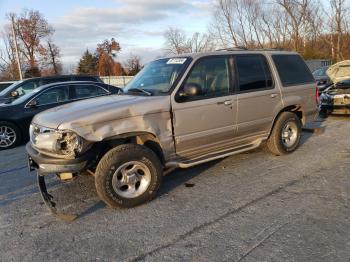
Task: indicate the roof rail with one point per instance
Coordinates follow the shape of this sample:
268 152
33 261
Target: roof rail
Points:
270 49
235 48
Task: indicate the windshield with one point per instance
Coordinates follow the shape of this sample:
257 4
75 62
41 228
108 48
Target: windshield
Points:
9 88
23 98
22 88
158 76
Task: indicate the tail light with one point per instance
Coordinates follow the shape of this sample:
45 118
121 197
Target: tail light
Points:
317 96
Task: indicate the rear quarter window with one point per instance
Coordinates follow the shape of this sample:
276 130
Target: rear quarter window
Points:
292 70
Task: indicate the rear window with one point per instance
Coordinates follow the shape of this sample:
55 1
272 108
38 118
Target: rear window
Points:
292 70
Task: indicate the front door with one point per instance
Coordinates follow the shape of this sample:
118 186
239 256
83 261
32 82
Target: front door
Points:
47 99
205 122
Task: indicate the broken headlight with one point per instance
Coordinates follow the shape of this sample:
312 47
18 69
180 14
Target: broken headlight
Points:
58 143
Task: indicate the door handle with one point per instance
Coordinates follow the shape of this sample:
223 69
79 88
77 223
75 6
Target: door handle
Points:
226 103
273 95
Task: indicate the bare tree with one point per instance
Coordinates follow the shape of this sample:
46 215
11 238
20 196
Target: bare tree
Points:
50 59
133 65
8 64
175 41
339 22
31 28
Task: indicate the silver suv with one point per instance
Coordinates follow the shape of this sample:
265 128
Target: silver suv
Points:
177 112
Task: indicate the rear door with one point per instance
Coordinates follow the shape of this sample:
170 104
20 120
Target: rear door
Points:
258 95
206 122
298 84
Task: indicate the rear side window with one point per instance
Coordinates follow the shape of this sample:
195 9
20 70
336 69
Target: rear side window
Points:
292 70
84 91
253 72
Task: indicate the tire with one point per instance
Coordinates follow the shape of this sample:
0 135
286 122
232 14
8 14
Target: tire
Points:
282 143
128 175
10 135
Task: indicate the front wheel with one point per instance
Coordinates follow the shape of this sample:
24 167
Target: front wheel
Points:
10 135
285 135
128 175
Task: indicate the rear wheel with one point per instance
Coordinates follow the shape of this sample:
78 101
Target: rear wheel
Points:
10 135
128 175
285 135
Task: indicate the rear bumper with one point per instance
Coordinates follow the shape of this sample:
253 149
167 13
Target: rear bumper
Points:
48 165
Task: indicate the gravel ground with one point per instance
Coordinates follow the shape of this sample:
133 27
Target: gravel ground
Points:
248 207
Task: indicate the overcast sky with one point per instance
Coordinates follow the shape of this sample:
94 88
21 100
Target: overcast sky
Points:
138 25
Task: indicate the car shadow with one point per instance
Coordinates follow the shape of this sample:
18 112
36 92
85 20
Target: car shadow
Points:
179 177
313 128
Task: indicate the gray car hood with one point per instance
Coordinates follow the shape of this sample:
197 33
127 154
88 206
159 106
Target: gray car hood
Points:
90 112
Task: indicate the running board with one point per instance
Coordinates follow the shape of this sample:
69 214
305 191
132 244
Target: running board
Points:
194 163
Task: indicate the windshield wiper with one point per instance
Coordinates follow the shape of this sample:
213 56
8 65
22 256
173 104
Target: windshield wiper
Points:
140 90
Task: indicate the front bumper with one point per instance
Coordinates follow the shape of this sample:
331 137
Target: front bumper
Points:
48 165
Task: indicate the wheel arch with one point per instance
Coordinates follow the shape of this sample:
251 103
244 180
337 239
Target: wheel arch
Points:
296 109
146 139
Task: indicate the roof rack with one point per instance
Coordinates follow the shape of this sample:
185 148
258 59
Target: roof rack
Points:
236 48
269 49
242 48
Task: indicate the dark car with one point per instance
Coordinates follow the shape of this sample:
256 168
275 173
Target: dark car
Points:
336 99
322 79
16 114
26 86
4 85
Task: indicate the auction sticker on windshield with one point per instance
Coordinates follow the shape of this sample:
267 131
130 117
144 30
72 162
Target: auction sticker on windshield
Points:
176 61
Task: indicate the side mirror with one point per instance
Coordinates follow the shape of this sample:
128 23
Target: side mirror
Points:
32 104
191 89
14 94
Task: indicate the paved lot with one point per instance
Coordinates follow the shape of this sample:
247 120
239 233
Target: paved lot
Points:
249 207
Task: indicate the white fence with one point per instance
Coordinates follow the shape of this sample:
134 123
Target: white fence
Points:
120 81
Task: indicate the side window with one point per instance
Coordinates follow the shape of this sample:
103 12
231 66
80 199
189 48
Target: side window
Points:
254 73
53 95
212 75
292 70
83 91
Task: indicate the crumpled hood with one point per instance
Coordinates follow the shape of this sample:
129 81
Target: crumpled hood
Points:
90 112
339 71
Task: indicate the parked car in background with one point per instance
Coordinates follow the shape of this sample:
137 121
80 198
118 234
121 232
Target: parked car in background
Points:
336 99
177 112
322 79
4 85
26 86
16 114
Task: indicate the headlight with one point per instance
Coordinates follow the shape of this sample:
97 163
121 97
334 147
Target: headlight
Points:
60 143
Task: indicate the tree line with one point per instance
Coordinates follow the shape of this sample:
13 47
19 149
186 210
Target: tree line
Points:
314 28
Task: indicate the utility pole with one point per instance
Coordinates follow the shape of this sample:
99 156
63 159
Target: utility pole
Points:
16 47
